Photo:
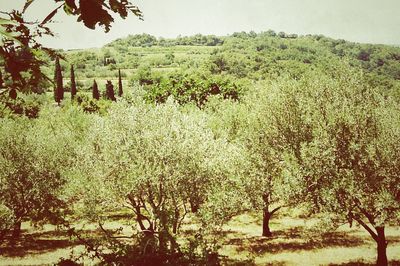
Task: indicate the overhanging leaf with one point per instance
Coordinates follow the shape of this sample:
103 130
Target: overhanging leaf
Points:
51 15
27 4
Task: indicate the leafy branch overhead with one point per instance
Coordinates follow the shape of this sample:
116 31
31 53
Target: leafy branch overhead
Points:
19 47
95 12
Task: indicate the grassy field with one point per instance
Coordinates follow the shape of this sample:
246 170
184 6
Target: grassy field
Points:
293 243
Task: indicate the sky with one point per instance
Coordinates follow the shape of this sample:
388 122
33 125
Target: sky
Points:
366 21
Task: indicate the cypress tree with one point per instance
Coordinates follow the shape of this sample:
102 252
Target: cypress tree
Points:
110 91
73 83
59 89
120 89
95 90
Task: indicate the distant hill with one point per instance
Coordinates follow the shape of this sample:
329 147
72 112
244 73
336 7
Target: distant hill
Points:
240 56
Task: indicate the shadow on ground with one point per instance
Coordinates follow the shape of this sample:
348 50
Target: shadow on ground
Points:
362 263
291 240
231 262
36 243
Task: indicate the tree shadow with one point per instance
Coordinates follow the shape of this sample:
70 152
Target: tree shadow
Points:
363 263
393 239
233 262
120 216
293 240
38 243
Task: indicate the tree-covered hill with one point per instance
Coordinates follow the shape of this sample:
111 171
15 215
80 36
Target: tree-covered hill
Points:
240 56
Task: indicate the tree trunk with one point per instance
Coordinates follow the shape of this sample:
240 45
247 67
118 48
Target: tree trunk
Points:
175 221
194 206
16 230
266 217
381 247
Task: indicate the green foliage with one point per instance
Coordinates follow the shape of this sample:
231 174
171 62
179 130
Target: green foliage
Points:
23 57
316 127
21 54
186 86
146 40
143 250
339 148
92 105
145 76
170 58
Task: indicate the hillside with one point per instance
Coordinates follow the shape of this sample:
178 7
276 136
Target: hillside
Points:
240 56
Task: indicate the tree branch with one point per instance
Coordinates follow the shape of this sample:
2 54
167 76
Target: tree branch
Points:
369 230
275 210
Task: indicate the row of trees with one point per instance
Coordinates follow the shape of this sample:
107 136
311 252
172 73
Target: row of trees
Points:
59 87
327 144
147 40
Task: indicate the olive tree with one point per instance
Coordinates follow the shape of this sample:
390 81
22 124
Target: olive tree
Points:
262 177
350 166
33 157
263 124
158 161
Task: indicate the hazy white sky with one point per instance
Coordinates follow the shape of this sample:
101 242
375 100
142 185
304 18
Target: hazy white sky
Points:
371 21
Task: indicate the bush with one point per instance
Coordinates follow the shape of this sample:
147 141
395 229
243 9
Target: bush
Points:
90 105
193 87
145 76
